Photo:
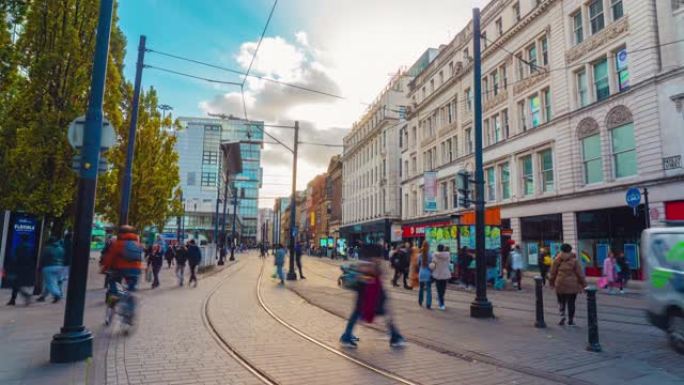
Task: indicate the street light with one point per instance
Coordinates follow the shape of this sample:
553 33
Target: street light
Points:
164 108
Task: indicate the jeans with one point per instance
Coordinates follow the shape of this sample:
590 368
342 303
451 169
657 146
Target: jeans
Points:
131 277
193 277
569 300
543 271
180 273
441 289
518 278
298 259
51 279
427 288
279 272
397 274
354 317
155 273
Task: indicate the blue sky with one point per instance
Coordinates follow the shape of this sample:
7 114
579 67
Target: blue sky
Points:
346 47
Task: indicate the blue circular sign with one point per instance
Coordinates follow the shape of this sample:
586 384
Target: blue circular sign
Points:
633 197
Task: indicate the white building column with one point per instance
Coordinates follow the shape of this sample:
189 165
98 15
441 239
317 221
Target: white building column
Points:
570 229
517 231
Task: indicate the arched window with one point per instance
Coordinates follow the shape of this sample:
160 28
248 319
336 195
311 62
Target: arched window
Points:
590 141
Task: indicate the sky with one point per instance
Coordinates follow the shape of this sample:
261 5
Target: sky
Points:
348 48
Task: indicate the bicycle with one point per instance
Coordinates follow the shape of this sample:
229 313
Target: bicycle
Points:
122 302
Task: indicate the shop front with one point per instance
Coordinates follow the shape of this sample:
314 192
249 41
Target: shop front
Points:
414 232
540 232
617 229
369 233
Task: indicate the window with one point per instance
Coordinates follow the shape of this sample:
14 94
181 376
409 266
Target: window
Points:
495 82
535 110
504 124
546 163
505 177
577 26
406 169
469 100
527 175
591 157
499 26
441 78
596 16
520 65
455 147
485 42
414 135
547 104
444 195
208 179
504 76
516 11
210 157
496 122
522 121
432 85
451 69
624 151
487 133
449 149
601 86
485 88
450 115
424 93
491 184
545 50
616 6
469 140
582 95
532 57
466 55
621 68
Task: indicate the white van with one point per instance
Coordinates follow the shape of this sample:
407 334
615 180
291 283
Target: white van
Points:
663 252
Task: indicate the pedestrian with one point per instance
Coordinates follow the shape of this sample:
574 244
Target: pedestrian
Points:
609 274
413 267
169 255
298 259
463 262
394 258
67 245
405 263
517 266
441 273
155 261
371 299
194 259
52 268
279 261
544 262
425 276
181 259
568 280
108 243
624 271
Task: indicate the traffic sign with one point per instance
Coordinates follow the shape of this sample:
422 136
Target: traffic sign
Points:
75 133
633 197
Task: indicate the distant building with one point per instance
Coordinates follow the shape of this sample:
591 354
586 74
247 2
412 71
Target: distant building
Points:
334 196
199 154
264 226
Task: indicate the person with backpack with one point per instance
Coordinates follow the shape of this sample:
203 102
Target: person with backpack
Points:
279 261
568 280
425 276
544 262
441 273
371 299
194 259
124 260
155 261
52 268
181 259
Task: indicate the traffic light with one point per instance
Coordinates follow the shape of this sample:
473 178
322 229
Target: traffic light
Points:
463 186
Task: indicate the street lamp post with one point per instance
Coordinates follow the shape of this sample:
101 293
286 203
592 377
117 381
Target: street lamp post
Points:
291 275
164 108
232 240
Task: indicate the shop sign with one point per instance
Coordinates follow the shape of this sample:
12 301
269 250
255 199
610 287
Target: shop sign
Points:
633 197
396 233
412 231
430 191
672 162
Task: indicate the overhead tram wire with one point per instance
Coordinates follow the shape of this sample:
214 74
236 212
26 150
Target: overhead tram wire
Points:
268 21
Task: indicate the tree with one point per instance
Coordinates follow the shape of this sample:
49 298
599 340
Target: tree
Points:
55 52
154 192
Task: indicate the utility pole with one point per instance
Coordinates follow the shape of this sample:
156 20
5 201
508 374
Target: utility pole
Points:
291 275
130 150
480 307
178 221
222 236
232 241
75 342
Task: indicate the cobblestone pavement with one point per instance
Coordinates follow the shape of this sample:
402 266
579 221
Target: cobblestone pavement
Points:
634 351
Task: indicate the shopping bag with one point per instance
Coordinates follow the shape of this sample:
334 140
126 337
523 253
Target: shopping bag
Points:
602 282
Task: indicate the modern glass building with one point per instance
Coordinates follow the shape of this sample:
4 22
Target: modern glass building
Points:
198 148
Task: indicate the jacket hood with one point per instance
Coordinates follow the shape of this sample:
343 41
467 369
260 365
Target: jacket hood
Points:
128 237
563 256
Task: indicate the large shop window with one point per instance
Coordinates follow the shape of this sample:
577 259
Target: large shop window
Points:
541 231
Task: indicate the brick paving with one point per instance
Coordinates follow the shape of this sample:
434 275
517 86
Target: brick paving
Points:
634 351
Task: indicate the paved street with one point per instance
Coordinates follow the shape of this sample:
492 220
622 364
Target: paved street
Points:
288 335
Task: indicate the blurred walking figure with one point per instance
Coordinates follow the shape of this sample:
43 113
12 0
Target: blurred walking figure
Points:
194 259
371 299
465 260
298 259
425 276
544 262
155 261
181 259
401 259
169 255
441 273
279 261
624 271
517 266
610 279
568 280
413 267
52 268
20 270
67 244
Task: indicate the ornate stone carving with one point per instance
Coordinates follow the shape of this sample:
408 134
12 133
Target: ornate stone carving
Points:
492 102
618 116
592 43
531 81
587 127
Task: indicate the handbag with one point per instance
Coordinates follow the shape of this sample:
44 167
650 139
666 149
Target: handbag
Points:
602 282
432 266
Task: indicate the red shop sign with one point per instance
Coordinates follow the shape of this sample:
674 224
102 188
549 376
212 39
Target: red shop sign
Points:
418 231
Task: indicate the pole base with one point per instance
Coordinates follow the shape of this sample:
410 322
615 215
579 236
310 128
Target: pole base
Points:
595 347
291 276
232 258
71 346
540 324
481 309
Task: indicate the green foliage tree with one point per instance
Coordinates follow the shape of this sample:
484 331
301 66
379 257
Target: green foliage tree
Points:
54 52
154 192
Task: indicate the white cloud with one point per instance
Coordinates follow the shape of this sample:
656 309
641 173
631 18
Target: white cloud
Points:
302 38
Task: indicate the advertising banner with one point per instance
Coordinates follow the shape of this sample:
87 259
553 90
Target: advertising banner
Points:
23 238
430 191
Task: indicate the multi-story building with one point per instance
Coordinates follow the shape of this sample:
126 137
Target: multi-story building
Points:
279 208
370 163
581 100
264 226
317 224
199 157
334 196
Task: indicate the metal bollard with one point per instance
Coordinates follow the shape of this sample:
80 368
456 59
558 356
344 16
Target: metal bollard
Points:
592 321
538 290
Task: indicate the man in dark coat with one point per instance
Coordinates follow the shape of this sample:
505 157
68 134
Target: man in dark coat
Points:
194 259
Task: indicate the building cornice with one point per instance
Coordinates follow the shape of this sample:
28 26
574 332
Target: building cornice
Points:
596 41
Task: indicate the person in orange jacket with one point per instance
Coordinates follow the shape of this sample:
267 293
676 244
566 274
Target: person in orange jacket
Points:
124 260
